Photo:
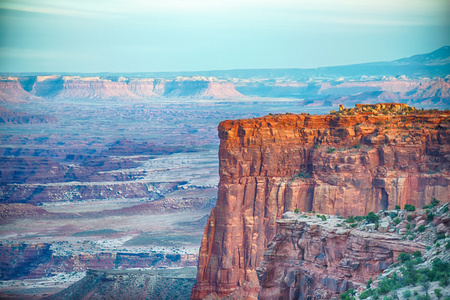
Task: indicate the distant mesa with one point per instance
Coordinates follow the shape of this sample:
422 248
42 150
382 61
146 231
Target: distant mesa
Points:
23 89
420 79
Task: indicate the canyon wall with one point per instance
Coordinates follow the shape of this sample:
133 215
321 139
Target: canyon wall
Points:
349 162
39 260
312 258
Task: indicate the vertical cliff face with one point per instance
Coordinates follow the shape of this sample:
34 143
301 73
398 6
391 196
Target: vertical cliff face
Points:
346 163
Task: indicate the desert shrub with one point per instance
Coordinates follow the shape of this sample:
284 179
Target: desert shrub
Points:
409 218
392 215
353 225
417 253
331 150
303 175
397 221
366 294
348 295
357 146
369 283
296 211
430 217
372 217
404 257
440 236
409 207
397 207
407 294
350 219
435 202
421 228
438 293
387 284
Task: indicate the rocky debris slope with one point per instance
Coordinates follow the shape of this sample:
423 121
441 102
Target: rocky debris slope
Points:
99 284
320 257
349 162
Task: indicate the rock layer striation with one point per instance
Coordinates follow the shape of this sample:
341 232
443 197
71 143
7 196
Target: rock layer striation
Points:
349 162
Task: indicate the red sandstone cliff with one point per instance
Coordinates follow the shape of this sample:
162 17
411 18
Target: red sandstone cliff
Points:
320 257
348 163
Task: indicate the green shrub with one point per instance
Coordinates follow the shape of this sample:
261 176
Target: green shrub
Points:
409 218
397 207
372 217
392 215
440 236
404 257
366 294
303 175
445 209
348 295
296 211
437 293
369 283
353 225
417 253
407 294
397 221
421 228
331 150
409 207
447 246
435 202
350 219
430 217
357 146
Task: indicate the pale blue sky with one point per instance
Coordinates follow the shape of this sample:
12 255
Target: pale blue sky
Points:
177 35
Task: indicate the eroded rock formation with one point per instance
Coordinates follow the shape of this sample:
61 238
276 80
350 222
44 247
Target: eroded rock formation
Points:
346 163
319 257
314 259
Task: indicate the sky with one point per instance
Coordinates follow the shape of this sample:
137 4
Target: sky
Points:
189 35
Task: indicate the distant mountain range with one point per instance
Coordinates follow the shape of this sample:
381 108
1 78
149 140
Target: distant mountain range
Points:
429 65
418 80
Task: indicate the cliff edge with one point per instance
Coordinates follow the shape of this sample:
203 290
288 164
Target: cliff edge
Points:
350 162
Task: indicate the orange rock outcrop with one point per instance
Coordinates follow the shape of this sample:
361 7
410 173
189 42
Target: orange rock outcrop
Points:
348 163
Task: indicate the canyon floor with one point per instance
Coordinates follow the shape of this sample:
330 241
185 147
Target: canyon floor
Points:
98 181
